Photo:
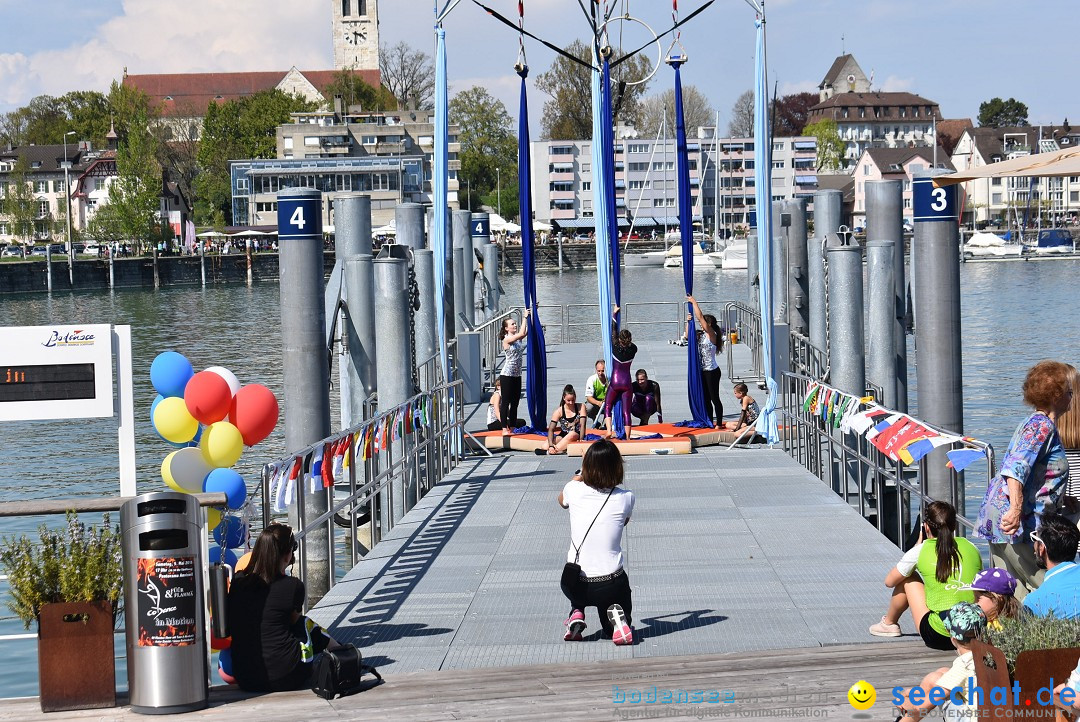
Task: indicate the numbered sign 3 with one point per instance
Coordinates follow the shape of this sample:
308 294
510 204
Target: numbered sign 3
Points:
299 215
933 204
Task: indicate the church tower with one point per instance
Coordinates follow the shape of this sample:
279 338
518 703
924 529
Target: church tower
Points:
356 34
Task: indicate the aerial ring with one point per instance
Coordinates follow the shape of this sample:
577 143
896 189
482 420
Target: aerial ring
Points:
659 50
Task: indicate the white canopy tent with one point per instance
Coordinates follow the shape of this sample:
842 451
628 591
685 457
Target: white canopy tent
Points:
390 229
1053 164
541 226
501 225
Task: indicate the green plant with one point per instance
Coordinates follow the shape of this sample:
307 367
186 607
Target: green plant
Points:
75 564
1028 632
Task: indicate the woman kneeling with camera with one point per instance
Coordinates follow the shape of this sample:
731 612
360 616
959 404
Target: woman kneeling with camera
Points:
273 644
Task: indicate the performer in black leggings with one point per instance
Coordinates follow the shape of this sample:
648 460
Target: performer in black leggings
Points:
510 374
710 340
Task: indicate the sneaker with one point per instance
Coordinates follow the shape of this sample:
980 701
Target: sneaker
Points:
884 629
621 632
575 625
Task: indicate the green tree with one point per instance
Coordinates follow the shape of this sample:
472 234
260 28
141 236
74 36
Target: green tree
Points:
697 111
19 204
568 112
830 147
998 113
409 75
87 114
129 108
135 192
354 90
488 153
233 130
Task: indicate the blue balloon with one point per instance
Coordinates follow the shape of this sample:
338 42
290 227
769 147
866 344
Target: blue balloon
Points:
219 556
229 482
194 442
224 659
231 532
170 372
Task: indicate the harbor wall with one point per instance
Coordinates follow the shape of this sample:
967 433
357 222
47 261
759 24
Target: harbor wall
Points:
93 274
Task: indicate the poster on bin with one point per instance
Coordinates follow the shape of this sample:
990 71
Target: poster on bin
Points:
167 598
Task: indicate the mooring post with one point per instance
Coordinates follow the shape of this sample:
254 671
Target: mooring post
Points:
352 243
885 222
48 267
827 209
780 223
305 371
881 349
426 337
752 280
394 367
463 239
798 290
847 357
459 286
935 262
409 221
202 262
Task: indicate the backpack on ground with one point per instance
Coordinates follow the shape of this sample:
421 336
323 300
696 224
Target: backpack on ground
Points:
338 673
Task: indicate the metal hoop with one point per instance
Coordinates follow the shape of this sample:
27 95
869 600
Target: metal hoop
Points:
659 49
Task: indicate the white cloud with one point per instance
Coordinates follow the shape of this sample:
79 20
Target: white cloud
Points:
798 86
150 36
895 84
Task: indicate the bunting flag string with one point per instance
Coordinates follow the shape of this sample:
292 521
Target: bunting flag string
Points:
898 436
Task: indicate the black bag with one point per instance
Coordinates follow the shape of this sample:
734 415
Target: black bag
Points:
338 673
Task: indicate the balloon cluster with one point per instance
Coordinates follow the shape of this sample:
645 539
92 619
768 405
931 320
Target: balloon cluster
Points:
210 418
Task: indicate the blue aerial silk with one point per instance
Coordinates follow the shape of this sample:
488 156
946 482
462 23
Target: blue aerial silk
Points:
613 219
535 348
440 176
695 390
766 424
600 207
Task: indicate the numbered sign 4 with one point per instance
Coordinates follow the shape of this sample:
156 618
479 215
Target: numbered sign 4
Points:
480 226
299 216
931 203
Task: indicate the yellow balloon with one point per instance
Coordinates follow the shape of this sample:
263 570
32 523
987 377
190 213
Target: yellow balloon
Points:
173 422
213 518
221 444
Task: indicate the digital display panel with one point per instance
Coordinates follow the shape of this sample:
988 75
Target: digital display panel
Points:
47 382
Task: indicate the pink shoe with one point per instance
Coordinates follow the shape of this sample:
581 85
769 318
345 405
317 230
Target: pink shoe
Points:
621 634
884 629
575 625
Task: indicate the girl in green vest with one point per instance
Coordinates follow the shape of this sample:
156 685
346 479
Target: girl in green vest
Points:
929 577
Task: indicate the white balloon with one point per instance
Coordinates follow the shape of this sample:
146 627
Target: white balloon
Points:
229 376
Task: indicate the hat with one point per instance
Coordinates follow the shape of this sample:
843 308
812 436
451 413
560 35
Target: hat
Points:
963 620
992 580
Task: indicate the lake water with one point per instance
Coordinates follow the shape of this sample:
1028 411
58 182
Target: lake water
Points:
1014 315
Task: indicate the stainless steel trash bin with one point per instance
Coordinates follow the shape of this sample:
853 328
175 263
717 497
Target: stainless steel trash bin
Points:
164 601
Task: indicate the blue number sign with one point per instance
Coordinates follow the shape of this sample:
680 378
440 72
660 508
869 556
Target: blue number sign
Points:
480 226
299 217
932 203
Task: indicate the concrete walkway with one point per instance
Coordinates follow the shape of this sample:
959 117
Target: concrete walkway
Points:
728 551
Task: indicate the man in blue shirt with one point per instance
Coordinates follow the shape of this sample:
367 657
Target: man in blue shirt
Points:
1055 543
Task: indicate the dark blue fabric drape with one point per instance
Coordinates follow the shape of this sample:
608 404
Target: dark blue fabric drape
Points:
607 143
695 390
535 348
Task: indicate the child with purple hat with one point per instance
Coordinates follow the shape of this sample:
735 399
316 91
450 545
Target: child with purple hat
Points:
994 589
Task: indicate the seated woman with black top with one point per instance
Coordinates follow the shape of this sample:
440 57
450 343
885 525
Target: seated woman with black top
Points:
567 422
273 644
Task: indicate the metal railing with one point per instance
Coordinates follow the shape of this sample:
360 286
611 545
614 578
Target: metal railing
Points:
884 491
807 359
745 322
416 455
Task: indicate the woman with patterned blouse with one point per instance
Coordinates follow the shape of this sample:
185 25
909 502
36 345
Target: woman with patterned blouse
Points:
1032 478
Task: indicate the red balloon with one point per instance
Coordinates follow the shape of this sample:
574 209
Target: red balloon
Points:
254 412
208 397
219 643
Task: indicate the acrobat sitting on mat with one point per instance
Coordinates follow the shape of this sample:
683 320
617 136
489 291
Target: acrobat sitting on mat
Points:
646 398
567 423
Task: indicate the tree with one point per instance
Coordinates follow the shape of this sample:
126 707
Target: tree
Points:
19 204
87 114
656 108
242 128
486 135
135 192
410 76
998 113
790 113
354 90
568 113
830 147
742 116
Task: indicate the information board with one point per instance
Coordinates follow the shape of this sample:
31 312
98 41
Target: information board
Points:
56 372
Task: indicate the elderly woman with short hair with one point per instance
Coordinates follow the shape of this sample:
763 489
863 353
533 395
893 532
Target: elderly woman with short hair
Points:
1032 478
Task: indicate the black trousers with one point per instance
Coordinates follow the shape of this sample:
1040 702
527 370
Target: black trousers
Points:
510 388
602 595
713 406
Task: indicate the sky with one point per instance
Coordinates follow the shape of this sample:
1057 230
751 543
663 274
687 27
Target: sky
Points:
955 52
